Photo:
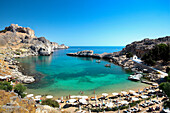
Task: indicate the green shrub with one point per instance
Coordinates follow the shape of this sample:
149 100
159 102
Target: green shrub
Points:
50 102
166 104
19 88
129 55
165 86
124 107
6 86
159 52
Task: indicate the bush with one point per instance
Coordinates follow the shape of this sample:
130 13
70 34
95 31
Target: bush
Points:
3 31
50 102
159 52
168 70
166 104
19 88
124 107
129 55
165 86
6 86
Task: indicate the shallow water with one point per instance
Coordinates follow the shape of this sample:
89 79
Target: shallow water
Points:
61 75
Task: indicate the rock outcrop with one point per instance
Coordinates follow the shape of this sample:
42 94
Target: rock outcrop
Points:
139 48
18 37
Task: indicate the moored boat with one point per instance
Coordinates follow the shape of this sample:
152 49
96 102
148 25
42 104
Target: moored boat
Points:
97 61
108 65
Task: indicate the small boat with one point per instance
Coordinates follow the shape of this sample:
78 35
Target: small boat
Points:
134 78
97 61
108 65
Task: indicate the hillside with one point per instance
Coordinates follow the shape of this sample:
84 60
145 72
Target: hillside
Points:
139 48
23 40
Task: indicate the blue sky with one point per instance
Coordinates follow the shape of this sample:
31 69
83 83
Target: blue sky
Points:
90 22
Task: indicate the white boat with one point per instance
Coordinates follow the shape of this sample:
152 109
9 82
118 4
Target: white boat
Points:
134 78
97 61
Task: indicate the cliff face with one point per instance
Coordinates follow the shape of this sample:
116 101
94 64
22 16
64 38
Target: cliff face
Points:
139 48
17 37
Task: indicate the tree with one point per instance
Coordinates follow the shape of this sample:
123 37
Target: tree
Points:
50 102
6 86
19 88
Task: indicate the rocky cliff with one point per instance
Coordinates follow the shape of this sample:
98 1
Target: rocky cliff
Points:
139 48
19 38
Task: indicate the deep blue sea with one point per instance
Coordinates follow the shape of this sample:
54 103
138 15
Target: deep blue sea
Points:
61 75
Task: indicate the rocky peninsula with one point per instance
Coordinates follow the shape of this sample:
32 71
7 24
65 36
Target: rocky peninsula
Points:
18 41
137 50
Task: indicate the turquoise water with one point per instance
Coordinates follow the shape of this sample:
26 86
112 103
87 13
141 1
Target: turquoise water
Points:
61 75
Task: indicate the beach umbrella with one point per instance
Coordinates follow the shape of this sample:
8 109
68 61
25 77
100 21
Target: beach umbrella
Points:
117 105
96 102
135 94
124 92
155 84
144 89
100 105
80 107
109 104
144 96
137 105
95 97
59 106
72 100
118 111
124 102
83 101
38 96
138 90
30 95
120 98
135 99
129 107
131 91
49 96
115 94
59 101
152 91
105 94
84 97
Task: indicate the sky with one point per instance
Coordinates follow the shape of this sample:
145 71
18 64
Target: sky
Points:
89 22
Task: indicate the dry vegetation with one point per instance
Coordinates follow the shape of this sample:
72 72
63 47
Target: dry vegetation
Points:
26 105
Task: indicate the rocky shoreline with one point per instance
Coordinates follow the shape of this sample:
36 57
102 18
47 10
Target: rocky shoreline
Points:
137 49
16 42
133 63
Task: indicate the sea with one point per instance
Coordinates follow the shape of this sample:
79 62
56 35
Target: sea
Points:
62 75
